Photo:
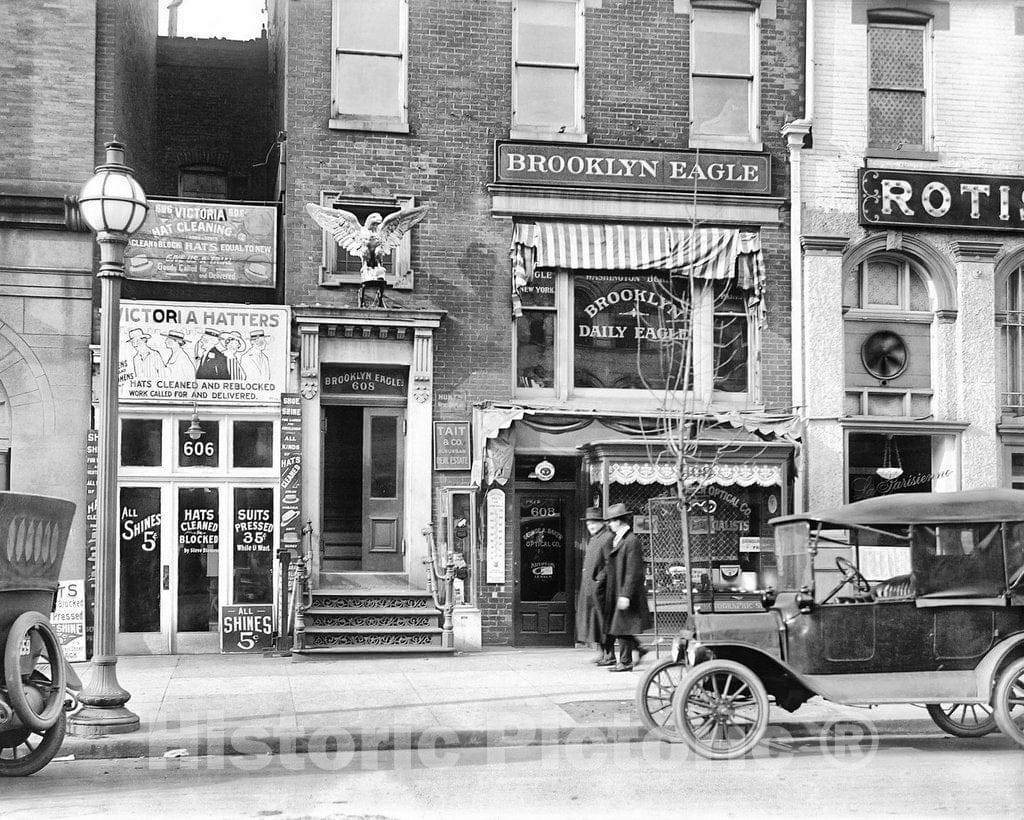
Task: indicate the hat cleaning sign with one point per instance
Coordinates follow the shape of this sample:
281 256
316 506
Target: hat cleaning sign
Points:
202 352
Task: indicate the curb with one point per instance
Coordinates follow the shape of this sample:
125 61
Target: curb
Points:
244 742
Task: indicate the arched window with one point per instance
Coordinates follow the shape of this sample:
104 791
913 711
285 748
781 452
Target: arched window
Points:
888 301
1011 302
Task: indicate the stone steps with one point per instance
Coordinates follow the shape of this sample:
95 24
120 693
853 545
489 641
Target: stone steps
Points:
379 619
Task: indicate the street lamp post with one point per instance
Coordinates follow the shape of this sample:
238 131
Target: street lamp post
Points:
114 206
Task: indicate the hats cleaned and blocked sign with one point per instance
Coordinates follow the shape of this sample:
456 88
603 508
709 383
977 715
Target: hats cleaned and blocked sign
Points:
202 352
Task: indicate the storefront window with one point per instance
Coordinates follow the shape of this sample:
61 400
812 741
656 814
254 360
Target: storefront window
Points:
139 527
535 347
631 333
253 544
253 444
203 451
731 364
881 464
141 442
198 551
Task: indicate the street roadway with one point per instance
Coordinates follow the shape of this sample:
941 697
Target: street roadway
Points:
863 777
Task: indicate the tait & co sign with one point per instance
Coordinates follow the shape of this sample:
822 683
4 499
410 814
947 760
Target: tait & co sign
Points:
598 166
946 200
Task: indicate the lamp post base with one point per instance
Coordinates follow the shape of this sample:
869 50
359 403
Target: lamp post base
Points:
94 721
103 701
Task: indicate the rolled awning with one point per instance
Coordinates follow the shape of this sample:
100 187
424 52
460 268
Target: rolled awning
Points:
706 253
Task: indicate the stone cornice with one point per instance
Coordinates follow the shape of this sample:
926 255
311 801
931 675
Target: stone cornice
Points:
36 212
969 249
822 245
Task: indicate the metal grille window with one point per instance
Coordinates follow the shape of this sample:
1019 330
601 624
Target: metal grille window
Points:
368 82
724 62
547 88
1013 342
897 85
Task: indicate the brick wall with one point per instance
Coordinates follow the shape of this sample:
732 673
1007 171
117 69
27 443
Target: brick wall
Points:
459 103
47 61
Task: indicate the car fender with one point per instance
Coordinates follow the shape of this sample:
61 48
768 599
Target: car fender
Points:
784 683
1007 650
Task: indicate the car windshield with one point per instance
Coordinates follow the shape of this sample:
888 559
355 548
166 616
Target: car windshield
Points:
793 555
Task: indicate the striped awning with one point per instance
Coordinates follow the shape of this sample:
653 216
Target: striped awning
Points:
706 253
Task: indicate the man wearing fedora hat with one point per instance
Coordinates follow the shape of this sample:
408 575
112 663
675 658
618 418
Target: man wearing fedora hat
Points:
625 597
591 626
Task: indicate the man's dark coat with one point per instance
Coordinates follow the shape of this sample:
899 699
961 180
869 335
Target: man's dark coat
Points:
590 622
625 567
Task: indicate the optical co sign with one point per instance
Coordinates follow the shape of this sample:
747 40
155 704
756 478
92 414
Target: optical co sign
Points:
908 199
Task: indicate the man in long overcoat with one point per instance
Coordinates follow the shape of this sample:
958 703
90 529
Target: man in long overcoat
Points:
626 595
591 627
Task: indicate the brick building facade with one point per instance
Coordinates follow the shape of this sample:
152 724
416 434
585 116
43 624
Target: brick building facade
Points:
452 99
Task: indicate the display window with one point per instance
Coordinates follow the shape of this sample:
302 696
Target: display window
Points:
197 526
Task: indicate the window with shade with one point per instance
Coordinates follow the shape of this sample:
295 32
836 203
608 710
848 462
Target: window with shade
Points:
547 83
369 72
724 75
898 80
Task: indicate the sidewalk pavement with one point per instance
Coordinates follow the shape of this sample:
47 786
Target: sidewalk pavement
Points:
251 704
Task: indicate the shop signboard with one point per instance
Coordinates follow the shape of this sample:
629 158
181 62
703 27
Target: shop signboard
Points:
901 198
365 381
185 352
605 166
205 243
246 628
291 468
451 445
68 619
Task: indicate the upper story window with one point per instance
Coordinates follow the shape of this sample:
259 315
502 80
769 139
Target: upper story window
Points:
341 268
888 305
587 331
203 182
369 74
724 75
547 81
1012 316
899 69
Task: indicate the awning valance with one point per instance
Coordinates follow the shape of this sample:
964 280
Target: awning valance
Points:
706 253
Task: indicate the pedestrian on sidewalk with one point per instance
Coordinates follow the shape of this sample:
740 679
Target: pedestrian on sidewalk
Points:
625 597
591 627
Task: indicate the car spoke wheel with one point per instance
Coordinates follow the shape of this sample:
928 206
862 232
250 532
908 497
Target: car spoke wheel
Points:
33 660
1008 701
963 719
720 709
24 751
654 699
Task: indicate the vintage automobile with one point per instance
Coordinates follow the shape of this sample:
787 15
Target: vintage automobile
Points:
947 633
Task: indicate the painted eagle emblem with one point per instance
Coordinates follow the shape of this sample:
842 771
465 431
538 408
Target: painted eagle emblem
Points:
371 242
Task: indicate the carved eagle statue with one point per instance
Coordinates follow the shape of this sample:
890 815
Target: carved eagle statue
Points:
371 242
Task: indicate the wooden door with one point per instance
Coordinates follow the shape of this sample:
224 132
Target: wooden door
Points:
383 488
543 606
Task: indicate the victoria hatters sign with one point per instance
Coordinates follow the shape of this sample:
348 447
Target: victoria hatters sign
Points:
896 198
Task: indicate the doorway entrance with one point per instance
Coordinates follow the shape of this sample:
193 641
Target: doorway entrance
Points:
186 550
363 486
543 605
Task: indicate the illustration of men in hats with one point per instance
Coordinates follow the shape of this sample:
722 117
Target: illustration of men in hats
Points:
255 361
178 364
146 362
232 344
211 363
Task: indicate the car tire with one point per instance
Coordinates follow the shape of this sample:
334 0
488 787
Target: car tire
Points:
654 699
1008 701
706 699
963 719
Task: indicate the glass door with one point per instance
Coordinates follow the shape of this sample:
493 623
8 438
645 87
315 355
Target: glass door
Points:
195 570
143 572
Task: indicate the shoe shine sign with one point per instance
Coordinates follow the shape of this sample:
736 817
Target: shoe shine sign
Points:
900 198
